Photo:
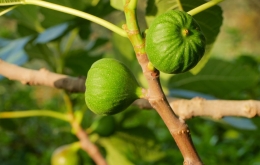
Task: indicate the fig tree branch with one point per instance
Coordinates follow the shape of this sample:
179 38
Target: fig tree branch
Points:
199 107
87 145
41 77
185 109
177 127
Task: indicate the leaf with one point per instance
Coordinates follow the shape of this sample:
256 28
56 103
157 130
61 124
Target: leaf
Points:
10 2
14 52
114 155
51 33
79 61
52 17
137 144
156 7
241 123
27 16
217 78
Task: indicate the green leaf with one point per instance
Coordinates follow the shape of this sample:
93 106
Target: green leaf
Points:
53 17
10 2
27 16
136 145
114 155
157 7
217 78
78 62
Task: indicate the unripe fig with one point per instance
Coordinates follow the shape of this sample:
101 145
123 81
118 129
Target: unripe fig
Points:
110 87
66 155
174 42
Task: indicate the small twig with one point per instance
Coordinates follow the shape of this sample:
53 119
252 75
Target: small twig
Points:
41 77
177 127
33 113
185 109
203 7
88 146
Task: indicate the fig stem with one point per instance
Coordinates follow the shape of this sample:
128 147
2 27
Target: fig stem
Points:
204 7
34 113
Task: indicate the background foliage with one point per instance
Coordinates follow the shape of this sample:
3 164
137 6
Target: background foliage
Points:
31 36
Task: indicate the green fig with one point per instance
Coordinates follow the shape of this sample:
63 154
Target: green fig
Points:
66 155
110 87
174 42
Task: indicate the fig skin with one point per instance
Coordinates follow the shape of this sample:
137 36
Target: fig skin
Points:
175 42
110 87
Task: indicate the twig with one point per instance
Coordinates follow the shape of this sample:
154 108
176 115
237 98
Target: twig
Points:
41 77
185 109
177 127
87 145
216 108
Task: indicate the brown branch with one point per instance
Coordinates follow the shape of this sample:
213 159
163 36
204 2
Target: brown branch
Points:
41 77
185 109
46 78
216 109
87 145
155 95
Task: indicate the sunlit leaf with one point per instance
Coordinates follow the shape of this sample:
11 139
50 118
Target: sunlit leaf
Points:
137 145
114 155
11 2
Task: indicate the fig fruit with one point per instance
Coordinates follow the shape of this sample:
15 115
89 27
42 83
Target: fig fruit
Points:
174 42
110 87
66 155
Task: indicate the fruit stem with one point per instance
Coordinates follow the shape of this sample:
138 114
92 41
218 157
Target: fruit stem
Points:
203 7
33 113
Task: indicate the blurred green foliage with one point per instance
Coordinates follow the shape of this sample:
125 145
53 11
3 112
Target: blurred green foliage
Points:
69 45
